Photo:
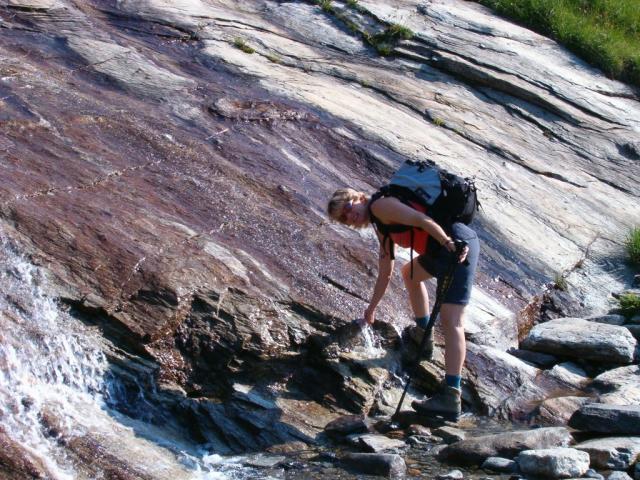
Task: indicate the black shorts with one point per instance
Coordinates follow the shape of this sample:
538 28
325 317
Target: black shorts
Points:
437 260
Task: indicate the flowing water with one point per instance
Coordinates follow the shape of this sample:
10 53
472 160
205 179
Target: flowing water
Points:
53 366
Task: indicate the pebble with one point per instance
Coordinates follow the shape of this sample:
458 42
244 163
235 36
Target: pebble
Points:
452 475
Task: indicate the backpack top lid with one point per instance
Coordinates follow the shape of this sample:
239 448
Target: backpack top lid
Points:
421 178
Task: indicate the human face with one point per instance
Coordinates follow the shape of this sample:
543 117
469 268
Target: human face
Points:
354 213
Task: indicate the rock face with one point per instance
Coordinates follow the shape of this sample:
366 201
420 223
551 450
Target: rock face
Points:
577 338
172 185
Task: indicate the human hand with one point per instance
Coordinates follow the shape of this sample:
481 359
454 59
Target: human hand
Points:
369 315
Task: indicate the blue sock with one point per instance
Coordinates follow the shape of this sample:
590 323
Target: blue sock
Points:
453 380
422 321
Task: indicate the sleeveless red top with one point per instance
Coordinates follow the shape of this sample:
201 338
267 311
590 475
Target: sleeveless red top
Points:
420 237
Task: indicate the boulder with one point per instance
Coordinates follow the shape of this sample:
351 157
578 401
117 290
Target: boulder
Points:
619 476
376 443
450 434
581 339
558 411
382 464
541 360
634 329
602 418
473 451
554 462
499 464
346 425
570 374
620 386
612 453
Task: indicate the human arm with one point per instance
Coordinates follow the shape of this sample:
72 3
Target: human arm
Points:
390 210
385 269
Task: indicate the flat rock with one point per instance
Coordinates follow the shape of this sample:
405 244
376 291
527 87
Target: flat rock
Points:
554 462
557 411
619 476
347 425
374 443
620 386
450 434
473 451
612 453
570 374
581 339
499 464
602 418
382 464
610 319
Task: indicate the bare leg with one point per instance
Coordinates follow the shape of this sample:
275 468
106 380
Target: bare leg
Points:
455 347
418 295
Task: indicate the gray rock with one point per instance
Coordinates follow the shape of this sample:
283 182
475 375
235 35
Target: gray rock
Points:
346 425
554 462
613 453
419 440
610 319
570 374
452 475
601 418
591 473
450 434
557 411
578 338
383 464
473 451
542 360
376 443
620 386
635 320
263 461
619 476
499 464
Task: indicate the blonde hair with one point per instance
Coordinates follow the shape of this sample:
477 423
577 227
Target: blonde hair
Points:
339 199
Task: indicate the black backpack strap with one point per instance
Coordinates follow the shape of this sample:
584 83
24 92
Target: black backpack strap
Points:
381 228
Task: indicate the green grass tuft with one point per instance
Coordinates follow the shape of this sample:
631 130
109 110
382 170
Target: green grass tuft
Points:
629 304
438 122
632 244
325 5
606 33
400 31
560 282
242 45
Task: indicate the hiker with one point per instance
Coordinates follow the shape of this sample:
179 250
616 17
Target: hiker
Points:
436 247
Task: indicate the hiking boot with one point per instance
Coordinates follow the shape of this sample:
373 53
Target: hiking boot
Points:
445 404
416 336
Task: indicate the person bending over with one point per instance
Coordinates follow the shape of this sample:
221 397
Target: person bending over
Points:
436 246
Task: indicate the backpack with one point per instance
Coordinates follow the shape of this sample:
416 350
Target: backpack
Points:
447 198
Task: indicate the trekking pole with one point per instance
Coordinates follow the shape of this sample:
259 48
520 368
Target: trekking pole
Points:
441 292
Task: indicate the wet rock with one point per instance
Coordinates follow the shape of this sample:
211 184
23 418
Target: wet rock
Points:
554 462
473 451
383 464
601 418
620 386
611 319
542 360
557 411
452 475
420 440
450 434
612 453
18 463
557 303
419 430
347 425
577 338
619 476
376 443
263 461
499 464
635 320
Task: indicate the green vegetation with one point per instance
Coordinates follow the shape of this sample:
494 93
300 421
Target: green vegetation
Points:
384 41
606 33
560 282
325 5
242 45
272 57
352 3
629 304
632 243
438 122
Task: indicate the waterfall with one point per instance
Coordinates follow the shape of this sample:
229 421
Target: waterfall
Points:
48 363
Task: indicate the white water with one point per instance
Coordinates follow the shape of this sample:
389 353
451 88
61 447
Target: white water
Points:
52 364
371 344
46 360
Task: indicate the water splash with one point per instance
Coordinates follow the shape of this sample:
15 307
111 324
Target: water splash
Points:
370 343
46 361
